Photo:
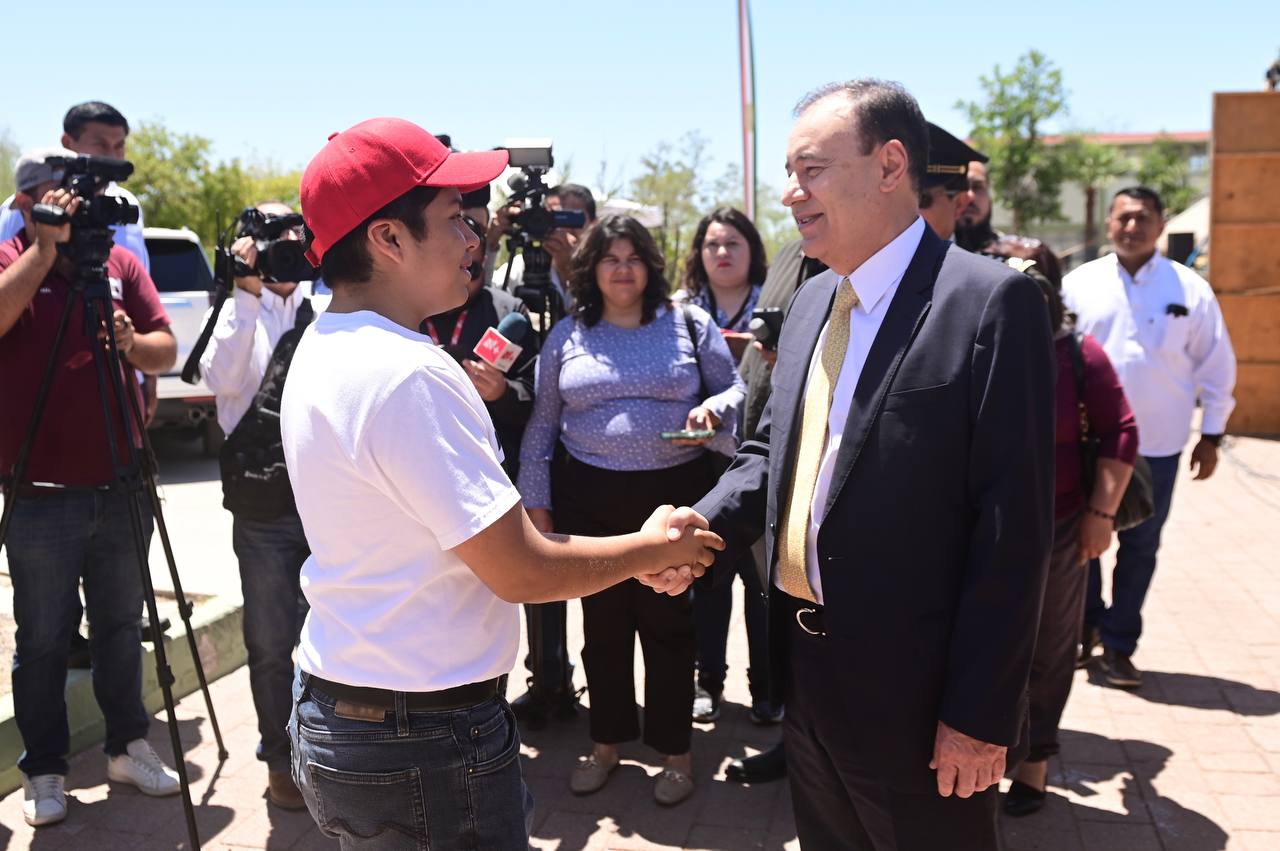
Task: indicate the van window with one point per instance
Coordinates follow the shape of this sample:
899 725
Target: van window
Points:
179 266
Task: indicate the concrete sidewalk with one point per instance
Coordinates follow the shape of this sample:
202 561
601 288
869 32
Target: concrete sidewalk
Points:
1191 761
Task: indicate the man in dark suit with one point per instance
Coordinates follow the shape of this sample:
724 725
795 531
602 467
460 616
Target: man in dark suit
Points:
902 476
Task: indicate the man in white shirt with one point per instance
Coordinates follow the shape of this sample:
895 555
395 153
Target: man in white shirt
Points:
266 534
1163 331
420 547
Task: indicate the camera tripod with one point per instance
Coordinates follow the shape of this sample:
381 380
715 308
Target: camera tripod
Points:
542 300
134 471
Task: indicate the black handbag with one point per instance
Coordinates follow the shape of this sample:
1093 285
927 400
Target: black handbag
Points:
1137 504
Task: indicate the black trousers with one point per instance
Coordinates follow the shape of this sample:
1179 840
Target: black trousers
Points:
838 800
1053 666
589 500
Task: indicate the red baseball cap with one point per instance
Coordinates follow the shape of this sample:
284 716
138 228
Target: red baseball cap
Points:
361 170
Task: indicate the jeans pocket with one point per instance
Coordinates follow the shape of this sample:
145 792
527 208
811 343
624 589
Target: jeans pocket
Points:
375 810
495 742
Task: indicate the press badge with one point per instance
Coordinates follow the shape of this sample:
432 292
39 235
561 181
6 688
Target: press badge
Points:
117 289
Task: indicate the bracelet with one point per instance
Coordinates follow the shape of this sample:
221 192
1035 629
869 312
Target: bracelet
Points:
1096 513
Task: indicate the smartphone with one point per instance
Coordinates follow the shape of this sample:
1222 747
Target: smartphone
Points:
686 434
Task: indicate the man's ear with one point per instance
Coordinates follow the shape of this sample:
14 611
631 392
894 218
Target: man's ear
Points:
385 239
22 201
893 165
67 141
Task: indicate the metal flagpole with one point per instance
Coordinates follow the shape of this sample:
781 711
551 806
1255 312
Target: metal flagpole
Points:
746 65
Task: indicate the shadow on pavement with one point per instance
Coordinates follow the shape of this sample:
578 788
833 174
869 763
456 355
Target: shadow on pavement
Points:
1098 799
1200 692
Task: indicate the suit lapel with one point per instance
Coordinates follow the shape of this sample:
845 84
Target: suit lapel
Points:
902 321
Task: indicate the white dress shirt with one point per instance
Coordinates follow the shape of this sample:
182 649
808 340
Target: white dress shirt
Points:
875 282
1164 361
247 332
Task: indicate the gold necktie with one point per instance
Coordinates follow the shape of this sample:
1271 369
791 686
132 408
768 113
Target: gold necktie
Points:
794 534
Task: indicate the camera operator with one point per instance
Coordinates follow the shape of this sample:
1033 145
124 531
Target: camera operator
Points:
560 243
75 523
268 539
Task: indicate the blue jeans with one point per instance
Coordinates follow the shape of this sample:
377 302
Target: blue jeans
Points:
413 780
712 610
271 554
55 541
1120 625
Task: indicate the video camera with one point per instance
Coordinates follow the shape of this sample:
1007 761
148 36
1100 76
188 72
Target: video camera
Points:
91 237
534 223
279 260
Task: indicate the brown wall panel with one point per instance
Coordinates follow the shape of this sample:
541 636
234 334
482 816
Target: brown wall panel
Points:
1246 188
1246 122
1245 257
1257 400
1254 325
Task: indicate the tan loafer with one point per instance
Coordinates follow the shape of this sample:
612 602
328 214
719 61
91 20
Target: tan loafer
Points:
673 786
590 775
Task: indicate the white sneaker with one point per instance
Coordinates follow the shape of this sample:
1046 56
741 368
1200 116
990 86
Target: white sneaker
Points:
141 766
43 799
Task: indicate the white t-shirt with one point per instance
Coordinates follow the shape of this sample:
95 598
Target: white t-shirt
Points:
393 461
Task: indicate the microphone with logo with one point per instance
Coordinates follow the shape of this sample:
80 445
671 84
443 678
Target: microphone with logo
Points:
501 346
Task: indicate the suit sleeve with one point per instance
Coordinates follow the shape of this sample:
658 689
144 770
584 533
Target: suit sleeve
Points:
1011 475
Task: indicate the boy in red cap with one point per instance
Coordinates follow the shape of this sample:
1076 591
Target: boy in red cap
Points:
420 547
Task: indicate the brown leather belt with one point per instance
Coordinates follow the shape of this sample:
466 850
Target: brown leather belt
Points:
458 697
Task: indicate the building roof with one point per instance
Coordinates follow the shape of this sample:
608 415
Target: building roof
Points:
1187 136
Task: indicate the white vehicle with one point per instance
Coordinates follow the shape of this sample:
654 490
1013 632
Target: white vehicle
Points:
181 271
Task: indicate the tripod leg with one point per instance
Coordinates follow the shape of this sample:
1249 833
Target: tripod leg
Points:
110 370
184 607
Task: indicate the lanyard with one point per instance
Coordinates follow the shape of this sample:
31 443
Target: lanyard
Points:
457 329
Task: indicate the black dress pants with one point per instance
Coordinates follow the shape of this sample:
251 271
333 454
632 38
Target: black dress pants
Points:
1053 667
588 500
839 801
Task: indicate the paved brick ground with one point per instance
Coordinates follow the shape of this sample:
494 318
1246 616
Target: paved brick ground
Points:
1191 761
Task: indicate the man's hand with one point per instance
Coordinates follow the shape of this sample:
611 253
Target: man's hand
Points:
123 327
560 244
693 554
490 383
769 356
699 419
964 764
247 251
48 236
1095 536
1204 460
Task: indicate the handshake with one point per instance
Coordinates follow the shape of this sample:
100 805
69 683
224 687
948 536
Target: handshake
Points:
692 546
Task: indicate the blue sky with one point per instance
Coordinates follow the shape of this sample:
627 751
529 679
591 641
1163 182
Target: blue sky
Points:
606 80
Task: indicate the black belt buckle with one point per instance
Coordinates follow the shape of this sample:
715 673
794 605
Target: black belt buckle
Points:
817 618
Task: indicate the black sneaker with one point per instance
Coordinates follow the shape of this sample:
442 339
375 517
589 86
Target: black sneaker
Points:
1089 642
763 712
706 705
1119 670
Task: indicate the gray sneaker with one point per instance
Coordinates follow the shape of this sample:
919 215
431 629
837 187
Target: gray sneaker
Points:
1119 669
44 800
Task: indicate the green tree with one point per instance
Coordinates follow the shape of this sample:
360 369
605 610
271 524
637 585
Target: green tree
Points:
1008 123
1165 169
8 162
178 185
1092 166
669 181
